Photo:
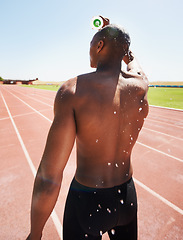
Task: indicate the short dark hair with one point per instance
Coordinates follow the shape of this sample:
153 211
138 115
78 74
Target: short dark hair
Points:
117 35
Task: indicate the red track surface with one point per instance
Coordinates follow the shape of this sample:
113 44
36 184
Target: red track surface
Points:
25 118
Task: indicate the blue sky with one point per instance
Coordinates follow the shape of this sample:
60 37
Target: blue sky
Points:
50 39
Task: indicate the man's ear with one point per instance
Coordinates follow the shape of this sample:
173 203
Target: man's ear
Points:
100 45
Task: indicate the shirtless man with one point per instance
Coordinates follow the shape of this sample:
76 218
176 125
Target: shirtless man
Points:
104 112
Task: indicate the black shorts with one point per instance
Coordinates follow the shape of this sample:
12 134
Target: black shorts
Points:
90 212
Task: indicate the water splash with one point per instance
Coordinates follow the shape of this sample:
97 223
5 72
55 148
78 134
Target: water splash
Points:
109 211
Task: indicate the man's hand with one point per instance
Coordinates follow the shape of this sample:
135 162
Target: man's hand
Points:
106 21
128 57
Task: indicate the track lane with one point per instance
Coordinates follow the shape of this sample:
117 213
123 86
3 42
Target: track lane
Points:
68 173
26 154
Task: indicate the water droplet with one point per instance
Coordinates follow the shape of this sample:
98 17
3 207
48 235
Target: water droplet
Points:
131 138
124 151
86 235
119 191
109 211
127 174
116 165
131 204
138 129
99 206
144 119
140 109
130 143
137 120
90 215
141 100
121 201
100 233
129 123
112 231
123 163
97 210
96 140
109 164
94 192
114 112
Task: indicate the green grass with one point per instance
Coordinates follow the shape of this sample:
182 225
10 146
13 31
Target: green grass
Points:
164 97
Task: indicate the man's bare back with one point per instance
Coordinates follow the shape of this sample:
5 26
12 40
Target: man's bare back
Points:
109 112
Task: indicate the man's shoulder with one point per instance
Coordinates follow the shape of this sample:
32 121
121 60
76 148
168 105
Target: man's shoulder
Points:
66 92
68 86
135 80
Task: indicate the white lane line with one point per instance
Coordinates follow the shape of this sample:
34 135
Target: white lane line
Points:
35 99
159 121
164 200
181 139
154 149
24 114
35 91
176 109
31 165
30 107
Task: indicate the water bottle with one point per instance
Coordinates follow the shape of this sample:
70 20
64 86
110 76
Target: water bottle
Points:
97 22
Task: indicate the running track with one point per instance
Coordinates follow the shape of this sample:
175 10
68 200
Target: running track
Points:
25 117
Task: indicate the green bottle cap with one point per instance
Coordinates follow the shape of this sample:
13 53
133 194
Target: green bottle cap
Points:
97 22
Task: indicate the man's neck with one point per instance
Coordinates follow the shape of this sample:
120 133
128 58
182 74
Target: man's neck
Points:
110 68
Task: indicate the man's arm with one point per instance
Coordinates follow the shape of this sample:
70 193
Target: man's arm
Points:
48 180
132 64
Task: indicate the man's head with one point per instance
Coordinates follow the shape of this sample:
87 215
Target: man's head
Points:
109 43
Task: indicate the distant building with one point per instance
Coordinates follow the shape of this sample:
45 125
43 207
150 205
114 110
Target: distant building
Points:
26 82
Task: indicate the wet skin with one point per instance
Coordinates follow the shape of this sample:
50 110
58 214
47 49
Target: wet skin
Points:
108 111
